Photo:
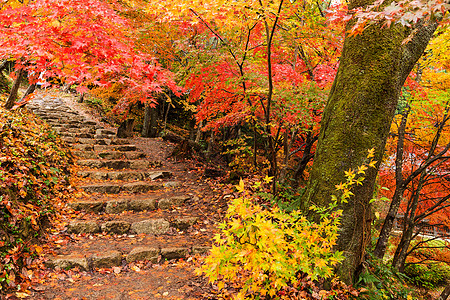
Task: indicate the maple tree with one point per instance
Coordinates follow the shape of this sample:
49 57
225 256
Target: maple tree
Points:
79 46
260 66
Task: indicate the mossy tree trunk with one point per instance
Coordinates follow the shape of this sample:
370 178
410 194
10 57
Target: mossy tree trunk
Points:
373 67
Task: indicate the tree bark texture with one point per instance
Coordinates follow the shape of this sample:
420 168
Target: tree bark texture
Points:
149 128
445 293
400 187
15 88
373 67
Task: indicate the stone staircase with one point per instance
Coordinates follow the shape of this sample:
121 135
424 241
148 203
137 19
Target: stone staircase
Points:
131 207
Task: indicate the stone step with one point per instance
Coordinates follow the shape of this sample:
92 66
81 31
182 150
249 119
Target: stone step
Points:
102 148
87 261
109 155
105 132
125 175
130 187
122 148
136 225
118 164
99 141
133 203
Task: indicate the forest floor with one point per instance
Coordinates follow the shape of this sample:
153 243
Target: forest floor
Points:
163 278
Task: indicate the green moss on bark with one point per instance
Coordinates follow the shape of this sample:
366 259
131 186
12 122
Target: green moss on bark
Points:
357 117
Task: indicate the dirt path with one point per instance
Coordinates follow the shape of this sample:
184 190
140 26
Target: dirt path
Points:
136 221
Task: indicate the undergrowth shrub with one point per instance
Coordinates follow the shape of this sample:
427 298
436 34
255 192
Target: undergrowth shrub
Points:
380 281
34 170
263 250
429 276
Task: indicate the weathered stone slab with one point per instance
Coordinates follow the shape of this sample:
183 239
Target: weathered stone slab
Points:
143 204
171 184
105 131
152 226
83 147
99 175
116 206
174 253
183 223
88 206
119 227
85 154
85 135
167 203
143 253
159 174
134 155
111 155
102 188
119 141
140 187
126 175
68 262
107 259
200 249
83 227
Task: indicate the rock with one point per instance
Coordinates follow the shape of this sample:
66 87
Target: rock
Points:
152 226
116 206
102 141
200 249
68 262
104 131
98 175
171 184
119 141
159 175
83 227
85 135
89 123
118 227
183 223
90 163
104 188
139 164
126 175
134 155
125 148
107 259
143 253
142 204
86 141
174 253
140 187
69 140
88 206
168 203
111 155
85 154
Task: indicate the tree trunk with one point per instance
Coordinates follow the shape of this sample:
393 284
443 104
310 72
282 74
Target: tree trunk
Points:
15 88
29 91
150 119
445 293
385 233
373 67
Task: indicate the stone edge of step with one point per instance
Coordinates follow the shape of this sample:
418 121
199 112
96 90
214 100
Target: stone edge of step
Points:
114 258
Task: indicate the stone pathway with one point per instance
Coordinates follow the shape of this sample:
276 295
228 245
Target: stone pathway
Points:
135 209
